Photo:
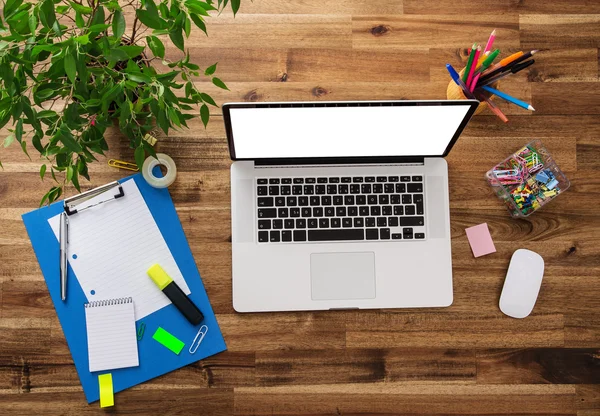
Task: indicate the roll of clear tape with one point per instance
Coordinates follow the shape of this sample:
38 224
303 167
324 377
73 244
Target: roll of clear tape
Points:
161 159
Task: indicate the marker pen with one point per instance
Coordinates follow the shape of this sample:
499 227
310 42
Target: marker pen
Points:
175 294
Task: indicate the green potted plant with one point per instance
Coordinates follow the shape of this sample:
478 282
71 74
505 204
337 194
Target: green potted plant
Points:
69 69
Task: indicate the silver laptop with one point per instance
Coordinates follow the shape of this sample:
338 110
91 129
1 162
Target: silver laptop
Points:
341 205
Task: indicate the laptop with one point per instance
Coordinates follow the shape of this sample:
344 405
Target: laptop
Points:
341 205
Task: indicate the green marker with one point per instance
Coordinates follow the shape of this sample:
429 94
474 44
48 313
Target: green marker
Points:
488 61
469 63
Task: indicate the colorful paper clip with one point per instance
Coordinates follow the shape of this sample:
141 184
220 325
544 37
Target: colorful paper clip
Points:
140 331
197 341
120 164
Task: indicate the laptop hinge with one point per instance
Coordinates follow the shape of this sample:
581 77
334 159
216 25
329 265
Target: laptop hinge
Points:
323 161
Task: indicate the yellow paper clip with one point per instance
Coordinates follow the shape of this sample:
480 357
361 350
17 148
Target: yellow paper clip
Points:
119 164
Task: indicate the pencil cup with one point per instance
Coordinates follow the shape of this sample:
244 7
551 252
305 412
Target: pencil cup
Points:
454 92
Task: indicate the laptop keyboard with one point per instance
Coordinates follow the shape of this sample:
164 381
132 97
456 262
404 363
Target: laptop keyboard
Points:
317 209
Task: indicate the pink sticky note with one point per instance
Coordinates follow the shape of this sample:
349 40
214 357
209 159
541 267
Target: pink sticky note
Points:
480 240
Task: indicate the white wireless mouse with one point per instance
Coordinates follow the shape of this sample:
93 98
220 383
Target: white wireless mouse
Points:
522 283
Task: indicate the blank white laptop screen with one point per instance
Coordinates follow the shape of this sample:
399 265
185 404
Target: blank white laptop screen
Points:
305 132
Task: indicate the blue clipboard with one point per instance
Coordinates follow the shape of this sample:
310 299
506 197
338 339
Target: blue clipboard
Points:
154 358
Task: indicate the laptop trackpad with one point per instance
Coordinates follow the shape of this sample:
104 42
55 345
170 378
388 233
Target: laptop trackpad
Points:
339 276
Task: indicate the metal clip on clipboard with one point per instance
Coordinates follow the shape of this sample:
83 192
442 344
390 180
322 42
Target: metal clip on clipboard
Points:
69 202
70 209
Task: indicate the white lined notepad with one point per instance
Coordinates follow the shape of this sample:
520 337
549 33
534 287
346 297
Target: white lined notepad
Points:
111 335
111 246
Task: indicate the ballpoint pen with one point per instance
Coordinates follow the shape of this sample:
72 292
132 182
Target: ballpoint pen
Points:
63 237
456 77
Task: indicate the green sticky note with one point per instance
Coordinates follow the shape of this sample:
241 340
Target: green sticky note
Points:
168 340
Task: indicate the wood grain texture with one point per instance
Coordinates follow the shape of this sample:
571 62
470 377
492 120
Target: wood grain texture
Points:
467 359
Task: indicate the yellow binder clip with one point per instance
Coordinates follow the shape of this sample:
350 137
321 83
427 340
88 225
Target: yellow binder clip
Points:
119 164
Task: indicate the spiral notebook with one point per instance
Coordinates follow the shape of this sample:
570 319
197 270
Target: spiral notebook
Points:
111 334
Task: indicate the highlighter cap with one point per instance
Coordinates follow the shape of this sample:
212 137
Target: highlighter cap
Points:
159 276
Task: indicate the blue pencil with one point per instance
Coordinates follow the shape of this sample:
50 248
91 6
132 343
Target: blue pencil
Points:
509 98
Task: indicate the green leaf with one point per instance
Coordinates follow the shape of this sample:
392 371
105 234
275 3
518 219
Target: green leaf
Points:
70 67
47 15
177 38
62 9
98 17
101 27
132 51
33 23
156 46
80 8
140 156
19 131
235 6
139 78
9 140
79 20
118 24
211 69
208 99
163 122
187 27
75 180
11 6
198 22
151 20
69 175
219 83
83 39
116 55
43 171
67 139
24 148
204 114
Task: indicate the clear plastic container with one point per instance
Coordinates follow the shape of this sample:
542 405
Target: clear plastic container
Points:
527 180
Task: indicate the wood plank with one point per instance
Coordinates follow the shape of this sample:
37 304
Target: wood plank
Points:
559 31
322 7
408 32
539 365
267 331
500 6
182 401
331 366
399 398
388 329
588 399
276 31
582 98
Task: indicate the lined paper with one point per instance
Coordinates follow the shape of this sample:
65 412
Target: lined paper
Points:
115 244
111 335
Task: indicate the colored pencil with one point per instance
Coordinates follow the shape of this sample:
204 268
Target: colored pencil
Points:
469 62
490 42
513 70
472 68
509 98
492 107
456 78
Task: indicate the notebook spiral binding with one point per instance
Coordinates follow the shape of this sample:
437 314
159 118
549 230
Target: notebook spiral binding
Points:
108 302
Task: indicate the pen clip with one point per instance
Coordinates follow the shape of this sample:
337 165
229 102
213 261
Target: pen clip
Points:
201 333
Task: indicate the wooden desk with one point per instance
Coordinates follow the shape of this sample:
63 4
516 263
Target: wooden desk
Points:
465 359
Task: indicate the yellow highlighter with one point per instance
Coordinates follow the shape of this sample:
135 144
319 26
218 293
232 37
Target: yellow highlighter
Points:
175 294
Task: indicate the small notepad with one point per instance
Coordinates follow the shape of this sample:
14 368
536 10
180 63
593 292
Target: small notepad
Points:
111 334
